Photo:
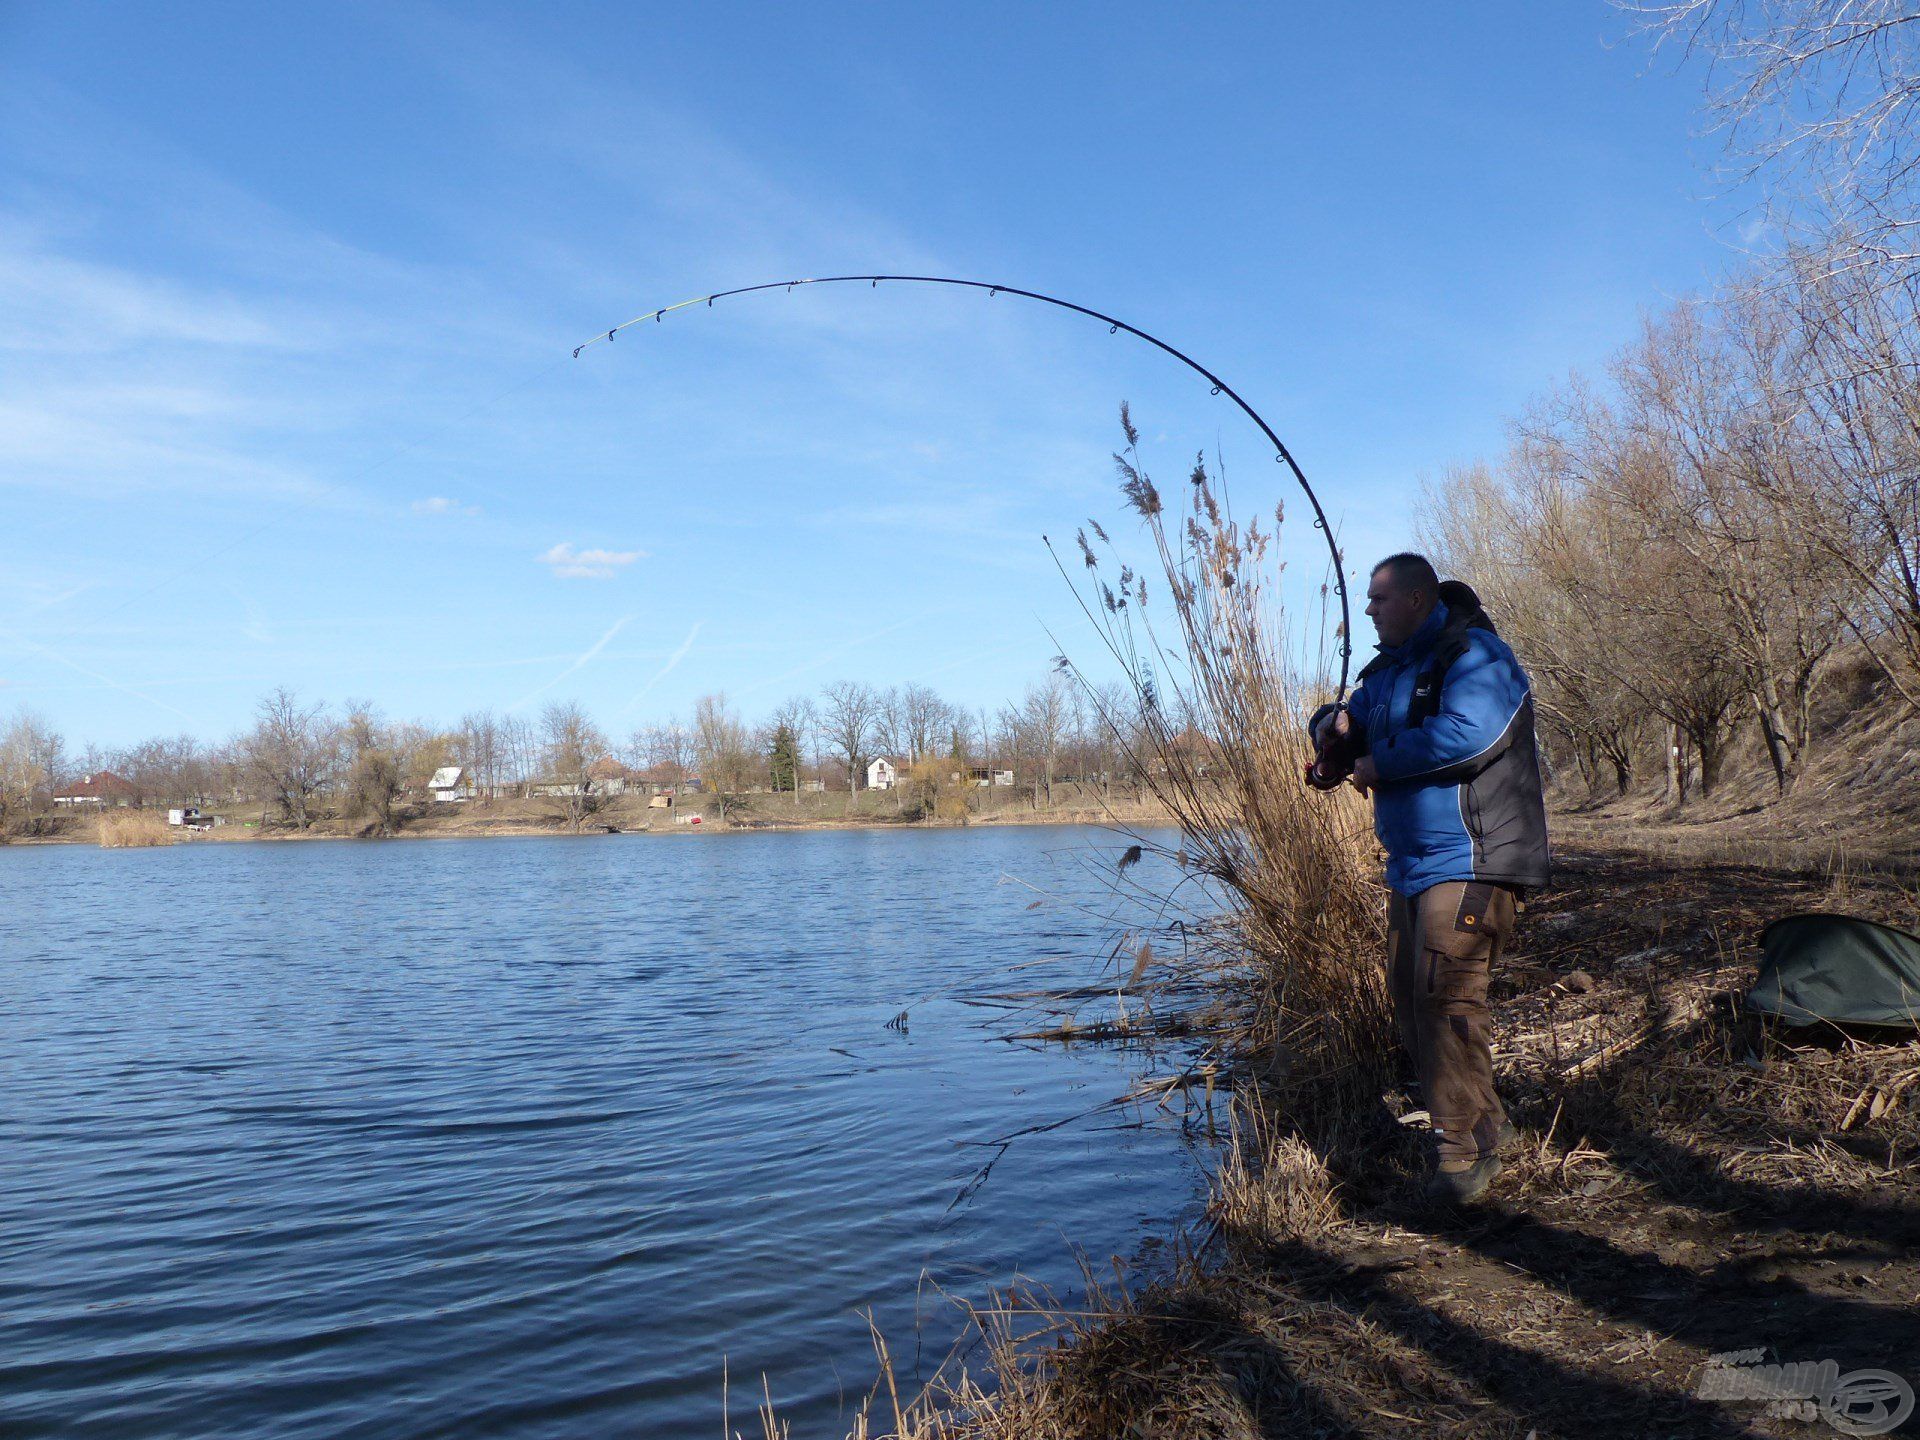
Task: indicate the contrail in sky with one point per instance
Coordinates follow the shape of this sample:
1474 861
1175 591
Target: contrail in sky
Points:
819 660
667 669
583 658
106 680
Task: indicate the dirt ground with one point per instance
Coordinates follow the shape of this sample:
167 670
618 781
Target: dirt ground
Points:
1687 1186
1709 1190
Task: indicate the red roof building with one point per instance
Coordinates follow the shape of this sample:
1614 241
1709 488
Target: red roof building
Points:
103 787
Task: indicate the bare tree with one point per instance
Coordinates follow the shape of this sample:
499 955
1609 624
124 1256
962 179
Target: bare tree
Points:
925 721
168 769
519 753
849 712
32 757
1858 371
1043 722
1818 100
666 749
292 753
1712 458
724 747
569 745
479 751
376 760
1613 596
889 736
1475 526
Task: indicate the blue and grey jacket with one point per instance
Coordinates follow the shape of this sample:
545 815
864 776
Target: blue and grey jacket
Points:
1448 719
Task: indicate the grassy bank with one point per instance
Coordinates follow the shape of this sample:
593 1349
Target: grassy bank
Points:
1072 804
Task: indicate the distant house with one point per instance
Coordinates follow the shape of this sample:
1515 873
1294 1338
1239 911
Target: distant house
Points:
608 776
450 783
814 786
981 776
103 788
1196 751
657 779
881 774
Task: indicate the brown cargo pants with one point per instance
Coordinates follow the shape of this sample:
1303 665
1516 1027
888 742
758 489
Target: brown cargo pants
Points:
1442 945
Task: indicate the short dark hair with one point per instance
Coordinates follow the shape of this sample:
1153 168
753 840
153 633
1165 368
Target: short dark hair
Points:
1411 572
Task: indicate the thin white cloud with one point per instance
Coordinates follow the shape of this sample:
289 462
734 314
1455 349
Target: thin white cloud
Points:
58 303
443 505
569 563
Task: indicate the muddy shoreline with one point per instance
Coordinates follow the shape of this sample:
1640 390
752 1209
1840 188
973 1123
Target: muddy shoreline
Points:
79 830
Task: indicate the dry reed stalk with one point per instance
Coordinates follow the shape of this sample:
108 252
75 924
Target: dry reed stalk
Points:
133 829
1218 731
1272 1186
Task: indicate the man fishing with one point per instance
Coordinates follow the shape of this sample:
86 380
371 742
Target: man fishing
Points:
1439 731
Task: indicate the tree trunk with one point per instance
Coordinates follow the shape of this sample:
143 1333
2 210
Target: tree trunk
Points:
1583 763
1712 750
1784 750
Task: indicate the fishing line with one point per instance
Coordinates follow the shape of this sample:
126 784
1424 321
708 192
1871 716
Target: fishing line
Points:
1220 387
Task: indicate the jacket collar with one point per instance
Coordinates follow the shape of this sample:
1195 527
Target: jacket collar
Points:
1422 639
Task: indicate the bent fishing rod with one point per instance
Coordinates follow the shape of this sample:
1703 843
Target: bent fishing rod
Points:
1220 387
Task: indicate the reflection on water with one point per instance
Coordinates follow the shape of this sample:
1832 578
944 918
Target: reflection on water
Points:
520 1137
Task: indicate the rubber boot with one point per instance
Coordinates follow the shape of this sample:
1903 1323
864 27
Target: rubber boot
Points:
1464 1184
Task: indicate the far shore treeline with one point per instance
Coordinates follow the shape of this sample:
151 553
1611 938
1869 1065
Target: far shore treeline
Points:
303 759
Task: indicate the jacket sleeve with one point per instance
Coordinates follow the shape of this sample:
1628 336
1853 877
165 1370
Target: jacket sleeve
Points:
1358 700
1482 700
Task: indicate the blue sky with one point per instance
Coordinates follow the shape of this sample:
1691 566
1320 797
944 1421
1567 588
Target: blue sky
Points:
287 296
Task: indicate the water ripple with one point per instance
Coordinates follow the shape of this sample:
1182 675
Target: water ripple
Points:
520 1138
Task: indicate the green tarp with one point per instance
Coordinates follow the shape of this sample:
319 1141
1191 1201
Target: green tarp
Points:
1819 967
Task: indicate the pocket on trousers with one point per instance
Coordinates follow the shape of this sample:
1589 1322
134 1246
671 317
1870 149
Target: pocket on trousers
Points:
1475 911
1457 977
1465 927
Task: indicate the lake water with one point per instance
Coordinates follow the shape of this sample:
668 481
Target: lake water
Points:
521 1137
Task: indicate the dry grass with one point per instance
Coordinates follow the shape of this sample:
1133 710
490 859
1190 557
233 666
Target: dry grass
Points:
133 829
1272 1185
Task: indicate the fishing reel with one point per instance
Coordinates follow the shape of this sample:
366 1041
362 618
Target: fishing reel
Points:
1333 754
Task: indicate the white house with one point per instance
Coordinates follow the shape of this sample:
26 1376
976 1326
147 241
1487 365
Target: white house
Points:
881 774
450 783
